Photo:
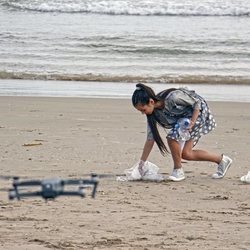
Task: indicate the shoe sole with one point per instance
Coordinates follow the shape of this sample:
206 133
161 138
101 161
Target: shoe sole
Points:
228 166
172 178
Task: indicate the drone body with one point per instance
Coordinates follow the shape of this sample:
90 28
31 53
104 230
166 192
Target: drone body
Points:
52 188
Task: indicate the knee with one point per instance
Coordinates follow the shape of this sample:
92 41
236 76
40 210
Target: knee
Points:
187 155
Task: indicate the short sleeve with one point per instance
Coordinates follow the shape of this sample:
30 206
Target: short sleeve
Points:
183 98
149 133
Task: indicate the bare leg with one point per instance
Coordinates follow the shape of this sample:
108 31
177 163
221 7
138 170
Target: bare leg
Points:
175 151
198 155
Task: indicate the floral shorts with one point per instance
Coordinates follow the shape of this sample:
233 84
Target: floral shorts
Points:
203 125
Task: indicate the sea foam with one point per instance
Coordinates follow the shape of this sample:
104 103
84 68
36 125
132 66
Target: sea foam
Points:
141 7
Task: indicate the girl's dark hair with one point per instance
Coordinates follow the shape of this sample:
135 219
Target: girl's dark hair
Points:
142 95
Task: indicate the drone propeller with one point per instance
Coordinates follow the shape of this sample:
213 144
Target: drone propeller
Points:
9 177
101 176
92 175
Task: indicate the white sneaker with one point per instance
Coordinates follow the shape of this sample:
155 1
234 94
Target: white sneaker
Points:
177 175
246 178
222 167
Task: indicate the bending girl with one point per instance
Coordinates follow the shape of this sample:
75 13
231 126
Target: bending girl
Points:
165 109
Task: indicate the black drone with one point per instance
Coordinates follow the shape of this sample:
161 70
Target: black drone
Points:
52 188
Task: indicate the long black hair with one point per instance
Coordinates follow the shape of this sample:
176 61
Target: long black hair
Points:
142 95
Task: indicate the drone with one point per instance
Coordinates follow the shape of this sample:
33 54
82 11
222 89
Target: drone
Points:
53 187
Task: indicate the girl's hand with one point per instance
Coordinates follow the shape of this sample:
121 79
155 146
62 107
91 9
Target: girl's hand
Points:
141 167
191 125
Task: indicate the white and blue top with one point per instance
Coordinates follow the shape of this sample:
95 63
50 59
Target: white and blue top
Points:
181 103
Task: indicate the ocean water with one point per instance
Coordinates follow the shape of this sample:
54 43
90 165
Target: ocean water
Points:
162 41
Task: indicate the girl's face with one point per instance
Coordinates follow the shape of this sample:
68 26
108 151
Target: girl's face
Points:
146 109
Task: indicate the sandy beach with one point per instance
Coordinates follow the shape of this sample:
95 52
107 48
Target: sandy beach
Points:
71 137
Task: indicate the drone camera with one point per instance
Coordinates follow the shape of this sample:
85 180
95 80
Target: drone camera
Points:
51 188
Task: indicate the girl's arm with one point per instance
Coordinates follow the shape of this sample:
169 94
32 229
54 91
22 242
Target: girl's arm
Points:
194 117
147 149
145 153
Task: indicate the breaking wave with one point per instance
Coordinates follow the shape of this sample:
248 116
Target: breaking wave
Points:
180 79
140 7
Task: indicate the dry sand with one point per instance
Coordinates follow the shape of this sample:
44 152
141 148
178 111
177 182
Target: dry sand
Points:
78 136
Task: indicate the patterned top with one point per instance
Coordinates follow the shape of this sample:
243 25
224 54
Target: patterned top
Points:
181 103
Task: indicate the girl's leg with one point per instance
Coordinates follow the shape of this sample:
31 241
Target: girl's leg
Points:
199 155
178 173
175 152
223 161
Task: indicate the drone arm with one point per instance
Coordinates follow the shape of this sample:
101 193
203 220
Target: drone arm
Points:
94 190
72 193
14 195
83 182
80 182
17 183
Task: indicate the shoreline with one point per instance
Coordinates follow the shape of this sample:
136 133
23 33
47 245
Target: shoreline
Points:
116 90
98 98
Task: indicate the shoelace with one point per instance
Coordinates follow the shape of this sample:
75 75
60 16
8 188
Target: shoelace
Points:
178 173
220 169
